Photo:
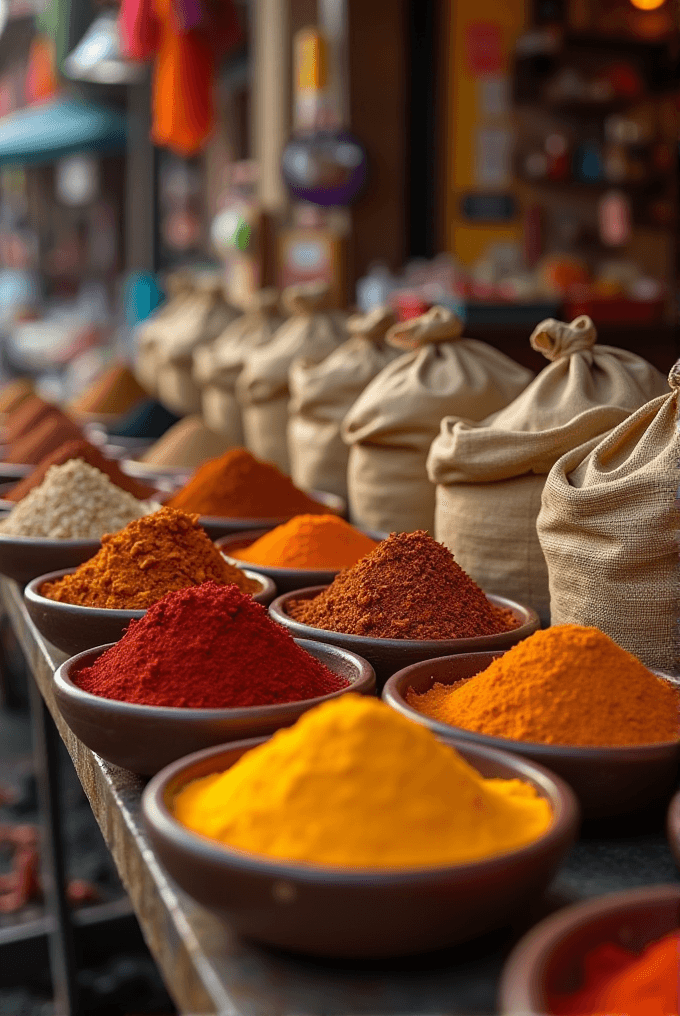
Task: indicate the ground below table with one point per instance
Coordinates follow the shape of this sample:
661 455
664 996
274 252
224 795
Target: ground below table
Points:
207 969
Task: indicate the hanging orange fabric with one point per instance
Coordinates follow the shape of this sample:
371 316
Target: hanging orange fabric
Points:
41 82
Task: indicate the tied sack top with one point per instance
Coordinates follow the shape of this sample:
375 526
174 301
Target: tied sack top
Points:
221 362
586 390
439 372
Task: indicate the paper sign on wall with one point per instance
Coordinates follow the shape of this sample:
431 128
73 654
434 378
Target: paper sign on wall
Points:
493 163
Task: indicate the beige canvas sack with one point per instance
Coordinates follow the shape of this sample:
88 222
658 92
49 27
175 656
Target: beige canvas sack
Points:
608 527
321 395
393 422
150 333
203 316
218 365
262 387
490 475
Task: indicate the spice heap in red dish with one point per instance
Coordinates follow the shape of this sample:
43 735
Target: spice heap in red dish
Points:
207 647
409 587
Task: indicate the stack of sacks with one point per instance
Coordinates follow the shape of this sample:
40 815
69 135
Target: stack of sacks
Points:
36 429
202 316
393 422
150 334
217 366
608 528
321 395
490 475
262 387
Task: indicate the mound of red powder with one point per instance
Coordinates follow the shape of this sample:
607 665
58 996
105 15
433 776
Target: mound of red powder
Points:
207 647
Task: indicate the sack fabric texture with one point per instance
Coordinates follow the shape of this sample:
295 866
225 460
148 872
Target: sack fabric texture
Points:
150 333
391 426
490 475
321 395
262 390
608 528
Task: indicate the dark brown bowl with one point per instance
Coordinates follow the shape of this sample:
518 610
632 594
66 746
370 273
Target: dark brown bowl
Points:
386 656
331 911
217 526
144 739
285 579
549 960
73 628
607 781
22 558
673 827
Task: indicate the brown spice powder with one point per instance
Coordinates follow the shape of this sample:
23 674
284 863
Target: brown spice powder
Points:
409 587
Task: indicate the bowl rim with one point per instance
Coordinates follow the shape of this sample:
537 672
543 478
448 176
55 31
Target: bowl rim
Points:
254 534
63 683
277 609
519 984
391 694
564 806
31 593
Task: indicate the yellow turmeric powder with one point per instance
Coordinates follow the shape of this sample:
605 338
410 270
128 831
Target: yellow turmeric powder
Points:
568 685
355 784
309 541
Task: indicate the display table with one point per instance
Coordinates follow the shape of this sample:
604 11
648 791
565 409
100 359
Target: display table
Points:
209 970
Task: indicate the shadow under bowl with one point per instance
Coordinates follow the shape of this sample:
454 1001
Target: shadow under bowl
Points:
285 579
358 913
607 781
549 960
73 628
218 526
144 739
387 656
23 558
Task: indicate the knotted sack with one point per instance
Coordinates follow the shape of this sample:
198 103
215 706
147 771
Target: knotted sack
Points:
262 387
218 365
321 395
150 333
393 422
608 528
490 475
203 316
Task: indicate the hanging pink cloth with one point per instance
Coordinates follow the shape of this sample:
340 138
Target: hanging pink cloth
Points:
139 29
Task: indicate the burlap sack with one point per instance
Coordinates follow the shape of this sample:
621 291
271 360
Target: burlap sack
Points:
490 475
393 422
218 365
608 527
203 316
321 395
262 387
149 335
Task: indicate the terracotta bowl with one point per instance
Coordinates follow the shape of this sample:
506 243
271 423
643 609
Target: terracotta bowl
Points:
549 960
386 656
607 781
357 913
22 558
146 738
73 628
673 827
216 526
285 579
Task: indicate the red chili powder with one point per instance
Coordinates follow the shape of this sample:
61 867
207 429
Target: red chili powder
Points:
207 647
80 449
409 587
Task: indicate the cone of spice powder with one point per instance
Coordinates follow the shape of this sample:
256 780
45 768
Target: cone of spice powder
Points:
186 445
80 449
208 647
12 395
26 416
152 556
115 391
409 587
51 432
239 486
308 541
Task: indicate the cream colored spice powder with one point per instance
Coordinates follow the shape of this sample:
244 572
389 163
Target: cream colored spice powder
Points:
74 501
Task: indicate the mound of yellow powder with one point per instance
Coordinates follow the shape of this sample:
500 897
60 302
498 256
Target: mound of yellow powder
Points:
309 541
568 685
356 784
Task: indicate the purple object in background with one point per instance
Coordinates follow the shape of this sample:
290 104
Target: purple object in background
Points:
188 14
325 168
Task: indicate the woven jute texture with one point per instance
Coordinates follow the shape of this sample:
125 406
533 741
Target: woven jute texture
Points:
393 422
321 395
262 386
490 475
608 527
150 333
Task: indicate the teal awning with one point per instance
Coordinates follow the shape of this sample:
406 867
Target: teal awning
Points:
59 128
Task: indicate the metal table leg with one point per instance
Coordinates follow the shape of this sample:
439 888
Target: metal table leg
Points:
61 938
